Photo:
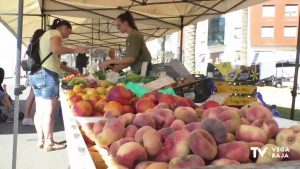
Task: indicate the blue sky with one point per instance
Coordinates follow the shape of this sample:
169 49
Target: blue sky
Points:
8 52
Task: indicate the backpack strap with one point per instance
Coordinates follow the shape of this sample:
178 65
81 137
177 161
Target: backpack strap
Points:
44 60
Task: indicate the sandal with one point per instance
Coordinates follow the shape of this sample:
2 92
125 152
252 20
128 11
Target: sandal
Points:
54 146
40 144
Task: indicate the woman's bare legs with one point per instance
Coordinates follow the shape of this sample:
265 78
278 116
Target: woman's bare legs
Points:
38 121
29 102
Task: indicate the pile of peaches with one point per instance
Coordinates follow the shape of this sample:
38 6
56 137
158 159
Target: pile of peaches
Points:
161 131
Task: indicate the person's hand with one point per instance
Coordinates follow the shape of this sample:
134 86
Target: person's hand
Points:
75 72
80 49
103 65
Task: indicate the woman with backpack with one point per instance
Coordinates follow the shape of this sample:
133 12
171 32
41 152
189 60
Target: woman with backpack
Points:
45 82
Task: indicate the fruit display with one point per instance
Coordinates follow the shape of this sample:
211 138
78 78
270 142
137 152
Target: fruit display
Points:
136 78
162 131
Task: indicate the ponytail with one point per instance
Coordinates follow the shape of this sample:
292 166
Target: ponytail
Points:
59 22
127 17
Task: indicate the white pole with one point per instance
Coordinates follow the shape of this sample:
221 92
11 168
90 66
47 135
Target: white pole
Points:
17 83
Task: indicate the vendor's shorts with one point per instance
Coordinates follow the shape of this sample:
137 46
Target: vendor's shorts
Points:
2 94
45 84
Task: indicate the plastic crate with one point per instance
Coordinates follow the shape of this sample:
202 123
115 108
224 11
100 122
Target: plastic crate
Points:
201 88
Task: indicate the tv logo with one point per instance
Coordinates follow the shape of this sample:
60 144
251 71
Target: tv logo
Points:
260 151
273 152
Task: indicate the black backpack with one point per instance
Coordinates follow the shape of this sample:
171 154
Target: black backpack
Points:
34 62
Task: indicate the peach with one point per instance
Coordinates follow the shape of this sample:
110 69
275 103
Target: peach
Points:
251 134
190 161
203 144
296 128
187 114
167 98
140 132
87 127
130 154
142 119
258 112
127 118
74 99
112 131
152 142
111 114
289 138
162 106
176 145
216 128
143 105
245 121
98 126
143 164
270 126
177 124
94 98
199 112
162 117
192 126
149 96
113 105
165 132
267 157
224 161
210 104
128 109
231 119
120 94
181 103
83 108
255 144
245 108
235 150
158 165
113 148
130 131
230 137
271 141
213 112
99 106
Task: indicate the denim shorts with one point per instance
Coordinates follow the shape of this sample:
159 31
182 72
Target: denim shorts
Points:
2 94
45 84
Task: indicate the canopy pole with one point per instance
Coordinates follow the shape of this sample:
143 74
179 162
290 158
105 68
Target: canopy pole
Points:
295 86
17 90
181 38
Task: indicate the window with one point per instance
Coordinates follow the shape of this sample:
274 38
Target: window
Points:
216 31
267 32
291 10
268 11
238 33
290 31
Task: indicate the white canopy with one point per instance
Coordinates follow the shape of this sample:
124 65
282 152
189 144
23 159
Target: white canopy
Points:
93 20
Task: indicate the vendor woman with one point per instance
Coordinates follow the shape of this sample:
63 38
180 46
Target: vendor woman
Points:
136 49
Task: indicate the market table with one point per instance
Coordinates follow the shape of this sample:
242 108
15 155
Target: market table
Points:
80 158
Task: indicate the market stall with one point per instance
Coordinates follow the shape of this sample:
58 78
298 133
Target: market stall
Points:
95 115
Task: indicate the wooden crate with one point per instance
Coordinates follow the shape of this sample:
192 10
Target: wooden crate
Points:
235 88
239 101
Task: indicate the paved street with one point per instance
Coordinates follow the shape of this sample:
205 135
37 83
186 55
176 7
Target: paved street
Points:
29 157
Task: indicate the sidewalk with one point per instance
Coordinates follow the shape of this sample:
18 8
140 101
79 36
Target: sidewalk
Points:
28 155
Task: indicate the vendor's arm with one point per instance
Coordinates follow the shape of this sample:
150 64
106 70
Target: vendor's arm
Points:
58 49
68 69
133 47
